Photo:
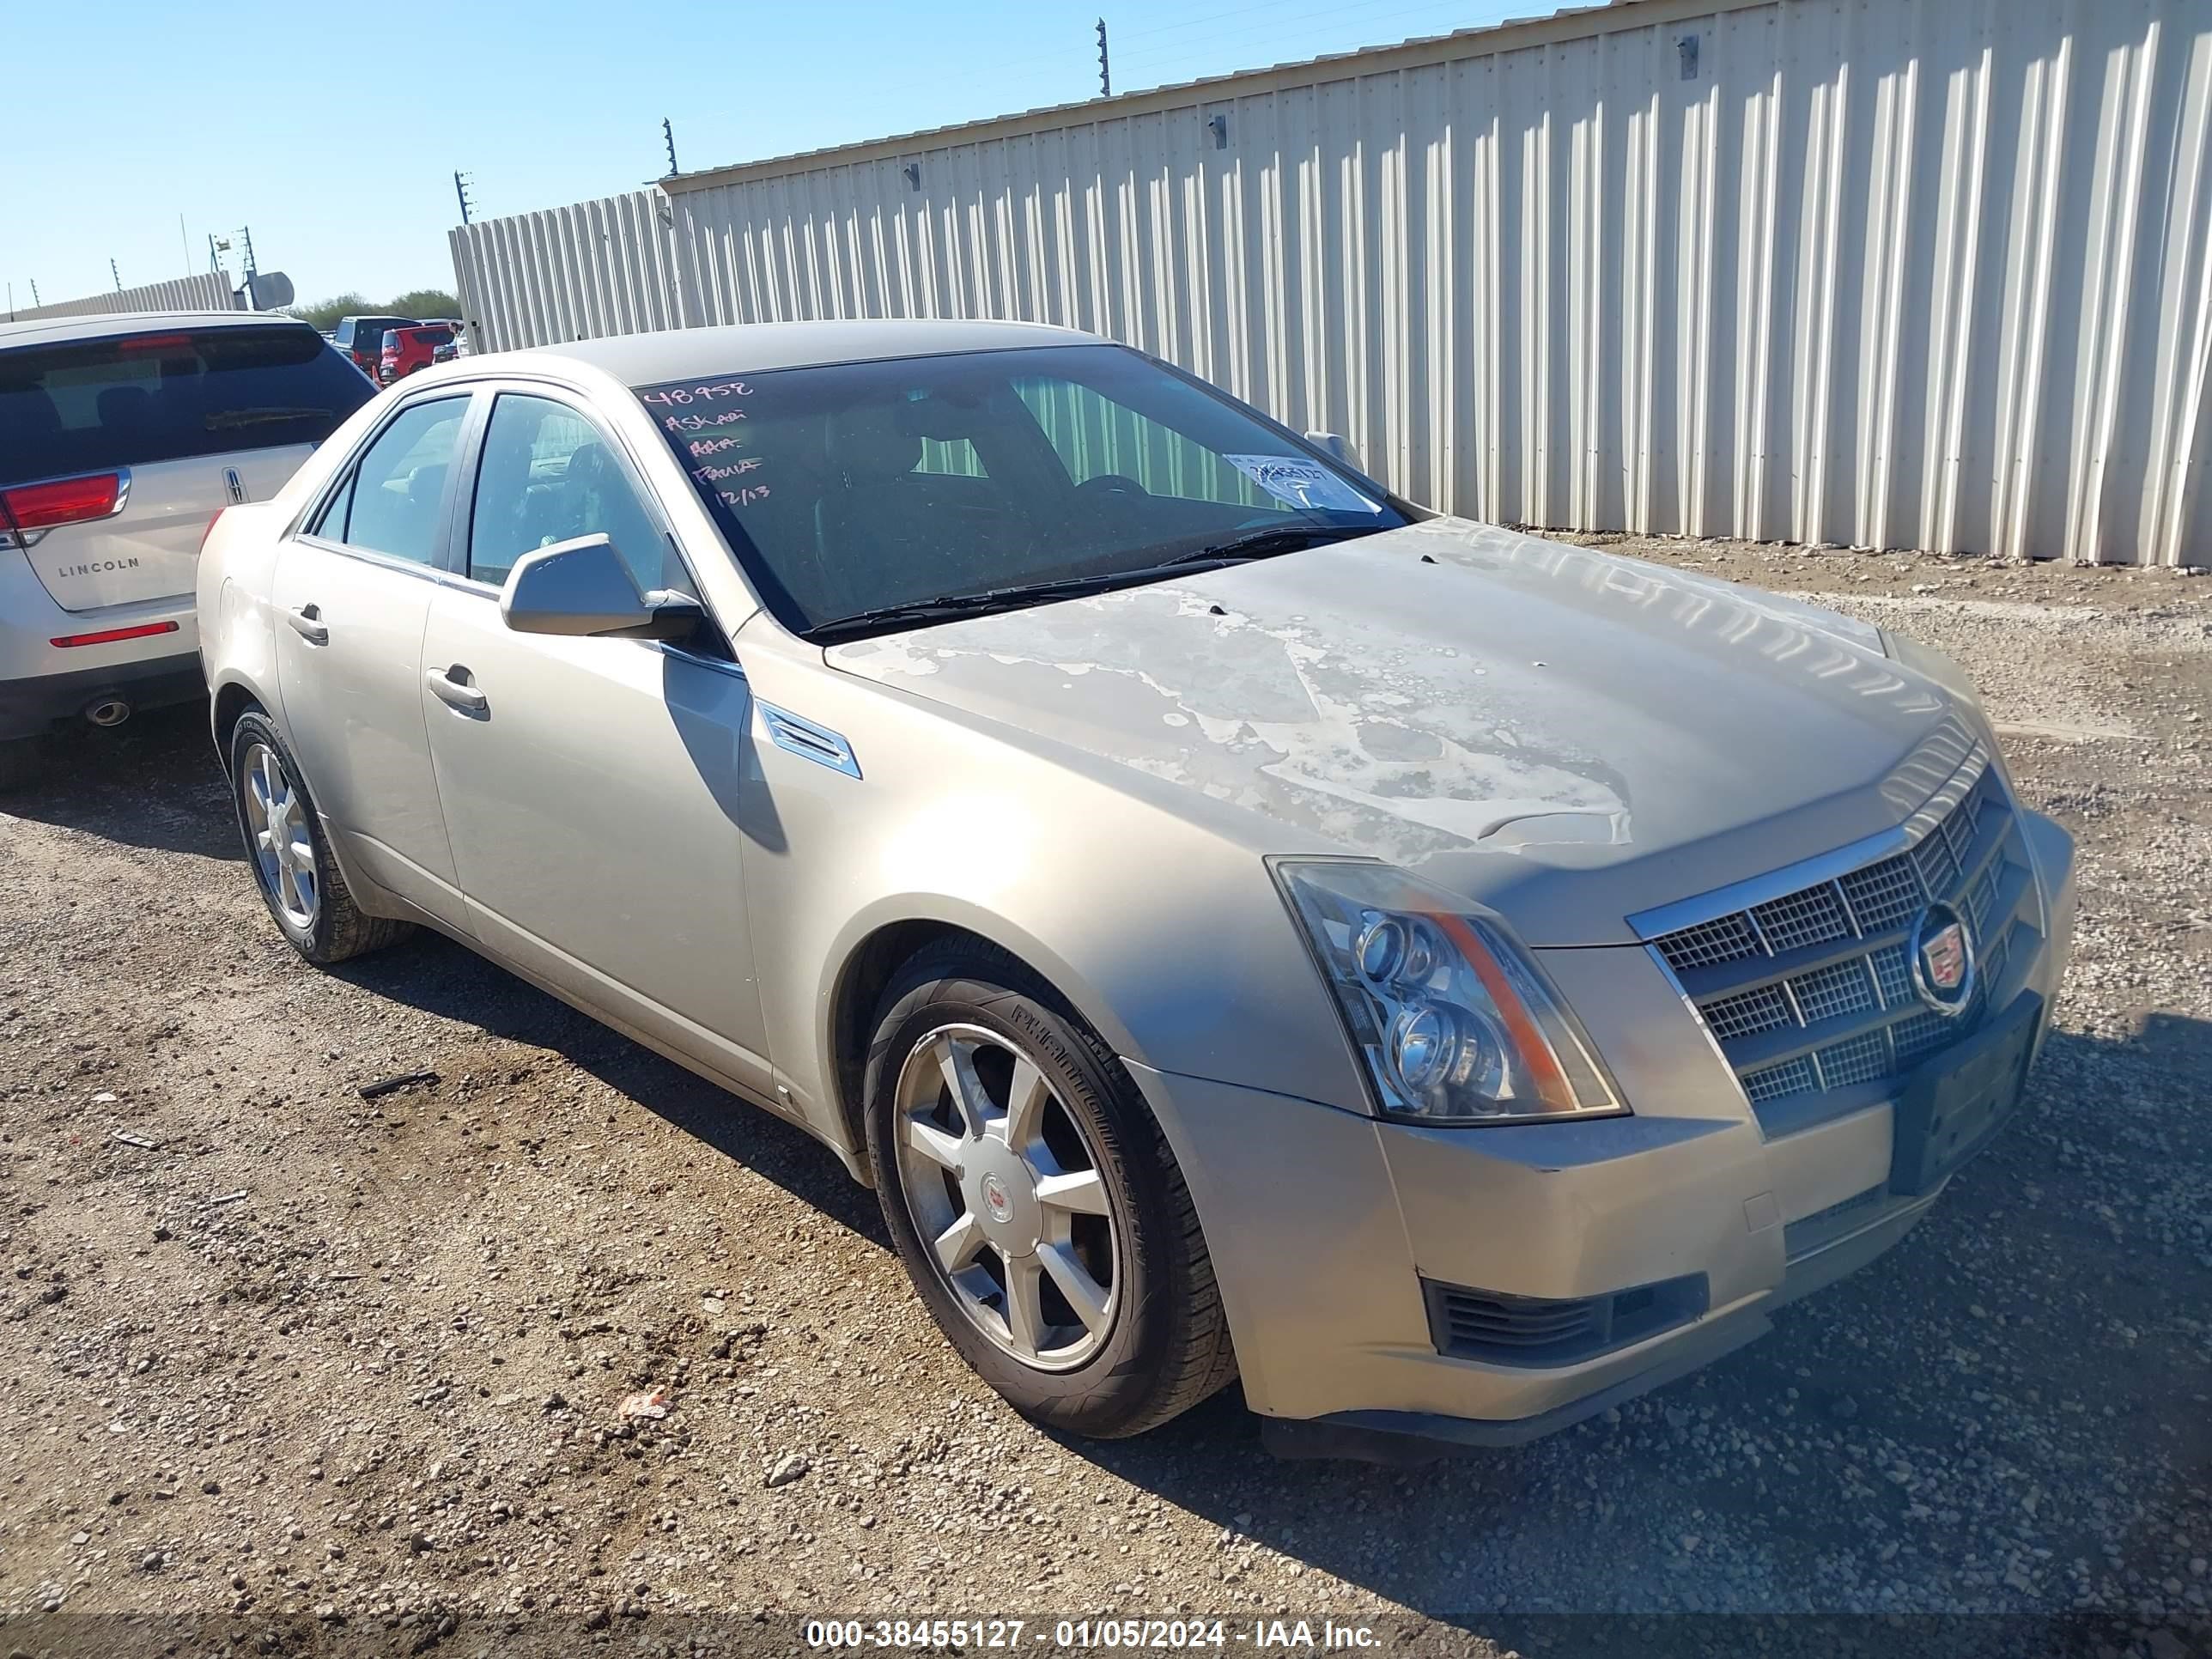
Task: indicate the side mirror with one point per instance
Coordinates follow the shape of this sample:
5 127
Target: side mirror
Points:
581 588
1339 448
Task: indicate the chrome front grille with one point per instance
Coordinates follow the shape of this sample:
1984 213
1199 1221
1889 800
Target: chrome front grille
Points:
1809 993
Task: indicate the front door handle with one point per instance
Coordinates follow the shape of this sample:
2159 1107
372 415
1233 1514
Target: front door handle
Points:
451 686
306 621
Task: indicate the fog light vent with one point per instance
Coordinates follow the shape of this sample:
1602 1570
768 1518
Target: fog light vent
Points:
1526 1330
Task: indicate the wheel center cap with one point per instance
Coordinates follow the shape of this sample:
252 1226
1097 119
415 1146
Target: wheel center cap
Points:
1002 1196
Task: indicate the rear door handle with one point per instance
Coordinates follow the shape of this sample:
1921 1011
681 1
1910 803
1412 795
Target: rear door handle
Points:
451 686
306 621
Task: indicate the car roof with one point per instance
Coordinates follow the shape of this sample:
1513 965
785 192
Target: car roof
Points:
755 348
100 326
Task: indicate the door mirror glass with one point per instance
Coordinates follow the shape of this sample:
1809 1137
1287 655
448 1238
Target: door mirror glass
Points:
583 588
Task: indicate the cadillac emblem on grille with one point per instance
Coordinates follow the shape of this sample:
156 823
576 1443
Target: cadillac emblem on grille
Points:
1941 953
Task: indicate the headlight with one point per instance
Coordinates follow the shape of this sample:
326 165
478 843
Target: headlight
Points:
1453 1019
1926 660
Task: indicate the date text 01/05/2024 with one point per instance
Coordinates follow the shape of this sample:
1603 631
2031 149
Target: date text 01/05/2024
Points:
1084 1635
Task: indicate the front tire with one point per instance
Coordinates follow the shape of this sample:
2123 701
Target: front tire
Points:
1034 1202
289 855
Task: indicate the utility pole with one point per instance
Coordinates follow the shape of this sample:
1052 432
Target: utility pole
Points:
668 132
1105 70
116 274
245 255
461 190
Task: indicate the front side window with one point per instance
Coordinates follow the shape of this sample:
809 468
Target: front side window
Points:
389 502
548 475
972 479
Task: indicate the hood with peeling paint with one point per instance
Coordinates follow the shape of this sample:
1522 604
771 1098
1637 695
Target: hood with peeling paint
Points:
1566 735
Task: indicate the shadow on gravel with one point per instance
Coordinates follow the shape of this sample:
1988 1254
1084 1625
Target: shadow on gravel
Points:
436 975
153 781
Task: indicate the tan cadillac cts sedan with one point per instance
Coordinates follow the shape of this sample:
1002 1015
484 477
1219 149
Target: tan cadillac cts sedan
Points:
1240 923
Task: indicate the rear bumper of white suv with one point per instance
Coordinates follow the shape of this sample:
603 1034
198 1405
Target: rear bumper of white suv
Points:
43 684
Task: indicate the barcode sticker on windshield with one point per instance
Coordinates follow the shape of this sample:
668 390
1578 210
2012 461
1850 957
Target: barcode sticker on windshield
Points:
1302 484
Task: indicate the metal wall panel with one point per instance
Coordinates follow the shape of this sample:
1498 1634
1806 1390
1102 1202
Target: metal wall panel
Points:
573 273
1891 273
209 291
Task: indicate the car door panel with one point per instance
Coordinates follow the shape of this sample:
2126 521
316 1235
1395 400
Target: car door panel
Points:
350 682
349 647
590 786
592 798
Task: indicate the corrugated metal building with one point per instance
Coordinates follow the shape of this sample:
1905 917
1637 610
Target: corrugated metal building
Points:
209 291
1875 272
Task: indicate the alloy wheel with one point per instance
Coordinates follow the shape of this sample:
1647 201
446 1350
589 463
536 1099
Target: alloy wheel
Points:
1006 1193
283 848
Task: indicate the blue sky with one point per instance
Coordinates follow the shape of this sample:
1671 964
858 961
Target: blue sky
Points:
333 133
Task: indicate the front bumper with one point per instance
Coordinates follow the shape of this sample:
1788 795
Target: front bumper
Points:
1330 1230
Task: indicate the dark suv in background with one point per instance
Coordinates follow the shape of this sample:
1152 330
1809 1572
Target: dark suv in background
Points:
361 338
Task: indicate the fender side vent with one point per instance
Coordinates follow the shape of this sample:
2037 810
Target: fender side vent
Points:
1536 1331
802 736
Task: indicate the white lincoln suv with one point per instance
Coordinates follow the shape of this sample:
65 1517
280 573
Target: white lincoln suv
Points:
121 437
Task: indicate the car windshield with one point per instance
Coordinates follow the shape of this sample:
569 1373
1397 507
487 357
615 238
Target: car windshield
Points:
986 479
135 399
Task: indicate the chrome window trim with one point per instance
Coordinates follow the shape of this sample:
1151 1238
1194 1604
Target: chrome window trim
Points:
329 486
369 555
516 383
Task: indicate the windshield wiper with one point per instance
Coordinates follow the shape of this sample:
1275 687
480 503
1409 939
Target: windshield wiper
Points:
968 605
1255 544
1277 538
231 417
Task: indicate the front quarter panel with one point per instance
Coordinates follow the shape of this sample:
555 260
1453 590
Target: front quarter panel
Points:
1167 935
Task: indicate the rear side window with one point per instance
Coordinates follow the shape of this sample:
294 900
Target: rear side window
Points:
390 504
135 400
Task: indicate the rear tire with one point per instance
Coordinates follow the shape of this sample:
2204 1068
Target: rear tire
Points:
1071 1276
289 855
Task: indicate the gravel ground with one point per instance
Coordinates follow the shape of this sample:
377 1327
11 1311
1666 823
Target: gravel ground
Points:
274 1354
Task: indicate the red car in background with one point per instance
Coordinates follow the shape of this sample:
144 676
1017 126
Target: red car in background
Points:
362 338
408 349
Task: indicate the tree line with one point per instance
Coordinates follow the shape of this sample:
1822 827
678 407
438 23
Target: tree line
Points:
415 302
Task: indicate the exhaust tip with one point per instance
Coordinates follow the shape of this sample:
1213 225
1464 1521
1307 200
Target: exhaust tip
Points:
107 711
